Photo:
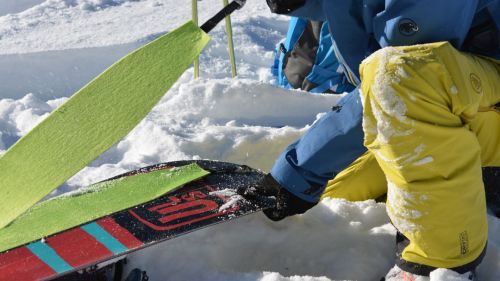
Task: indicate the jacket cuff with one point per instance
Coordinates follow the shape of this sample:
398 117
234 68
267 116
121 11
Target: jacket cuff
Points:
292 180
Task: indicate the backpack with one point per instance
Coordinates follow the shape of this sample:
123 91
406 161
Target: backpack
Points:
305 59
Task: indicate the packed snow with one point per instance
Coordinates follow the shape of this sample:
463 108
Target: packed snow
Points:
49 49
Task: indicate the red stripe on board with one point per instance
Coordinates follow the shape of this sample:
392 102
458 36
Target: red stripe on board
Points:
78 248
22 264
119 233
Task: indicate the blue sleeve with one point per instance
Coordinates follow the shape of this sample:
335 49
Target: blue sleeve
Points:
409 22
327 148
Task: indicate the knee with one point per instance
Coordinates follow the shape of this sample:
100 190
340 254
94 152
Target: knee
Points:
381 77
392 66
407 80
385 72
383 64
389 60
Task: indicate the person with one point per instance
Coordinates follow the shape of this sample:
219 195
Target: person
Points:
305 60
427 74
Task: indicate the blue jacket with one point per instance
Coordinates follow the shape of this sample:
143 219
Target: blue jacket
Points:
358 28
325 73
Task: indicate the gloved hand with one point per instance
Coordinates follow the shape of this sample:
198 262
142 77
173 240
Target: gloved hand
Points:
287 204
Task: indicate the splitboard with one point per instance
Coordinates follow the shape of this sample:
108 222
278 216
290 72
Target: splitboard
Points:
200 203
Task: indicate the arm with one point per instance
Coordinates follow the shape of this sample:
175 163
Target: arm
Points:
300 174
327 148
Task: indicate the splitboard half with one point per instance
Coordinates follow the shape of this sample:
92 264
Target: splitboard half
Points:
210 200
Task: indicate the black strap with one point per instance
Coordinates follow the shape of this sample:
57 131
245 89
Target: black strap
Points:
119 270
211 23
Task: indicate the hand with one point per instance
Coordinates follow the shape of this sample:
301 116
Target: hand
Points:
287 204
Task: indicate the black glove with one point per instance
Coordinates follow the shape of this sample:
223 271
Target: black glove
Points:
284 6
287 204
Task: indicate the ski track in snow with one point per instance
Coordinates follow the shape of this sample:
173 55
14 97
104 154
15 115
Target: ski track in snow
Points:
49 49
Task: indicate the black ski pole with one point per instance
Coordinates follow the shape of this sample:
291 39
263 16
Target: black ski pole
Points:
211 23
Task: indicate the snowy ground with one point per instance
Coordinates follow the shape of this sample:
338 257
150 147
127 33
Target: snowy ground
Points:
49 49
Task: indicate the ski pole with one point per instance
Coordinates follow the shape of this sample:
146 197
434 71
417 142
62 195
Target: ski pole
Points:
194 10
212 22
230 44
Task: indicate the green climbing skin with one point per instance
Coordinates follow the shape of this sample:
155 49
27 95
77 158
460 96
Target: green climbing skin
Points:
93 119
93 202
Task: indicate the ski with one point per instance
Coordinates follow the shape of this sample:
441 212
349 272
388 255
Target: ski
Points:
93 202
200 203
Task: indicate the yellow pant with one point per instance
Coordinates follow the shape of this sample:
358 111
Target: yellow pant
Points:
420 106
364 179
422 126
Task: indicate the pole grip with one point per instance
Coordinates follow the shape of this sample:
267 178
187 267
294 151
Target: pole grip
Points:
226 11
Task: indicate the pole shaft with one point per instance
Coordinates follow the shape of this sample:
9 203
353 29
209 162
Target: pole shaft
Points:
230 44
194 10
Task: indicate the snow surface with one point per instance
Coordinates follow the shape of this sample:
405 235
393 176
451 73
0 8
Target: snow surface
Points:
49 49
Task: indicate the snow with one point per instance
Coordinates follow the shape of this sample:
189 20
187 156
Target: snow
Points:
447 275
403 208
49 49
234 198
426 160
386 104
326 241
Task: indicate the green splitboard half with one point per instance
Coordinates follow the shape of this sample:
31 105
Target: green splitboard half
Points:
93 202
93 119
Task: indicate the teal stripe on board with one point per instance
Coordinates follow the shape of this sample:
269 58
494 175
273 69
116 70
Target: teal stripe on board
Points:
49 256
101 235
